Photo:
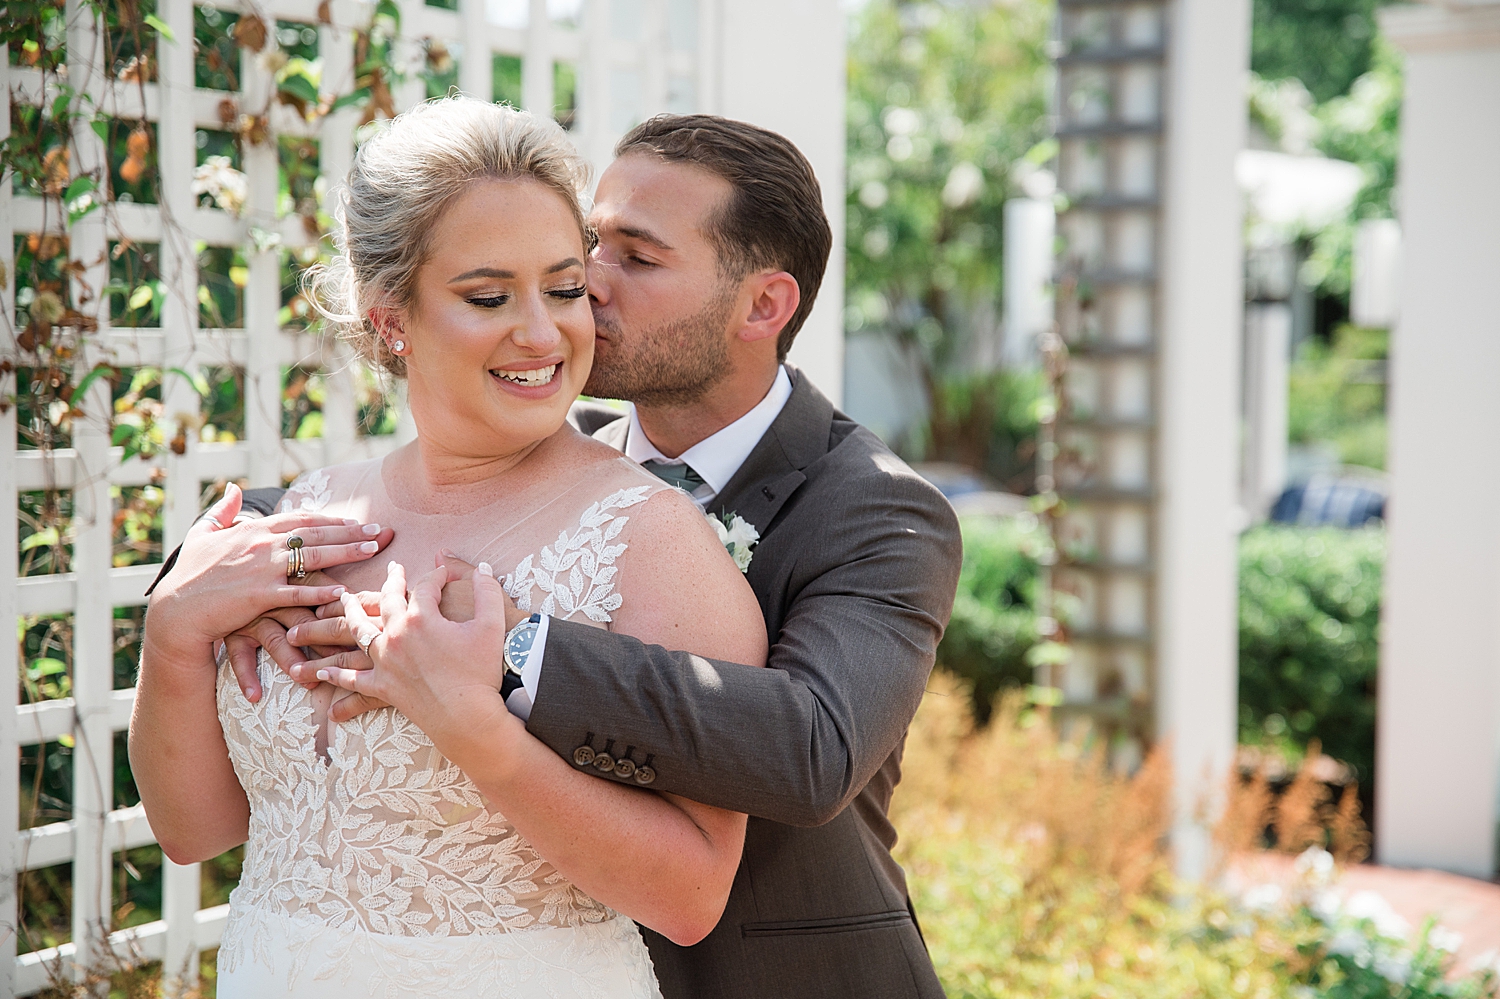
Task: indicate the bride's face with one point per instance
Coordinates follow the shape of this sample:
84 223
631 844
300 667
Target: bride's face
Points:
501 336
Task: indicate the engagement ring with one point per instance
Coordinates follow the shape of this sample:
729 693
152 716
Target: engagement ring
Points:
296 567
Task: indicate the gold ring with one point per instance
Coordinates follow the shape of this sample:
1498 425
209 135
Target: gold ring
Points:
296 565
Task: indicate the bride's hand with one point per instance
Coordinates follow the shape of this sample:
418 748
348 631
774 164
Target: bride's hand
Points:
226 577
444 675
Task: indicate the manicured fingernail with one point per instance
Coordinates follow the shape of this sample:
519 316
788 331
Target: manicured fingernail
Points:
291 635
323 675
350 521
338 592
370 547
484 567
371 529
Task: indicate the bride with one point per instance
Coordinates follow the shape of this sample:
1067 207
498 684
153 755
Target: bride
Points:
435 848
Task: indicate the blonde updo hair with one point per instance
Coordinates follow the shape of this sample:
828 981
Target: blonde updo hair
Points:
403 180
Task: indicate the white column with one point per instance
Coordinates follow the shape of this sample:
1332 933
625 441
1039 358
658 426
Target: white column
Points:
1268 346
335 155
10 790
1030 231
262 293
475 66
536 64
1197 475
176 158
1437 753
782 66
93 637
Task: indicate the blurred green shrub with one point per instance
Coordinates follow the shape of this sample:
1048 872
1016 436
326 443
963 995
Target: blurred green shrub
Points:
1309 613
994 612
1337 395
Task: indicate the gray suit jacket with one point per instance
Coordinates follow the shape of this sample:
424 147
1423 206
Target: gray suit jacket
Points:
855 573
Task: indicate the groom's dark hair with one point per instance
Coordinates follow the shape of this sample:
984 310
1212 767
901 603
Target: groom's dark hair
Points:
775 216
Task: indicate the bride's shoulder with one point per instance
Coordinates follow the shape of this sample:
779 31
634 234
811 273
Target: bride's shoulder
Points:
315 489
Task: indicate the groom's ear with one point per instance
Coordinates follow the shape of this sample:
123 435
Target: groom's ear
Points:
773 300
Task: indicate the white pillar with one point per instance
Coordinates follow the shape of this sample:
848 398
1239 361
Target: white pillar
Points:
782 67
1197 475
1436 753
1268 348
1373 300
1030 231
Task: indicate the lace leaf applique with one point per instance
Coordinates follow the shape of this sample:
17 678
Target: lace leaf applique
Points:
309 493
577 573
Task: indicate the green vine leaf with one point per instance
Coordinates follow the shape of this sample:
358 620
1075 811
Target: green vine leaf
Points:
140 298
80 186
357 97
197 381
100 370
161 27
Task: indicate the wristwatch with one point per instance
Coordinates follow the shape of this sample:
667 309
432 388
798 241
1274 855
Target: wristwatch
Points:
518 644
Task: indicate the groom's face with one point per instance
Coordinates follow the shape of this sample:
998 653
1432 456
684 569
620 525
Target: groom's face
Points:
664 310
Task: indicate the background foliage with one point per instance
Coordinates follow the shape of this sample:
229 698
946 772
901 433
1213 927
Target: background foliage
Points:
1309 614
945 99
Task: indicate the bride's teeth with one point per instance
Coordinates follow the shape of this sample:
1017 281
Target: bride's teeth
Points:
537 376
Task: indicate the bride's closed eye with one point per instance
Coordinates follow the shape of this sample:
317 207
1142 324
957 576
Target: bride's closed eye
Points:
495 301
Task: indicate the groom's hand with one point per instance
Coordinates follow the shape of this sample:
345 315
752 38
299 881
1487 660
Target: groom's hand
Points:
270 633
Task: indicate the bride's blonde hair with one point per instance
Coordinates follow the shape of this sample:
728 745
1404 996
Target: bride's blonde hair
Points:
402 181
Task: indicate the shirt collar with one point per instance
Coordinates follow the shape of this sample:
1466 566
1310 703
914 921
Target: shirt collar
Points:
718 457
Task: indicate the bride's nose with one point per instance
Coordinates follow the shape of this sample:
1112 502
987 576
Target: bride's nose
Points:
537 330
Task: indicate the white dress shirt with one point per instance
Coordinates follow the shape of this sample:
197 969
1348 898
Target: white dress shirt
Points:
715 458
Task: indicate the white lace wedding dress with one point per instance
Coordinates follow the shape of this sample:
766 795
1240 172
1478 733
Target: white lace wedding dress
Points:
380 870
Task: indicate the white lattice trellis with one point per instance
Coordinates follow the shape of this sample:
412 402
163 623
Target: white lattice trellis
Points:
632 57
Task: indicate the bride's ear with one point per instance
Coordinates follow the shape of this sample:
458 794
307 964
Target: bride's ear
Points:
388 324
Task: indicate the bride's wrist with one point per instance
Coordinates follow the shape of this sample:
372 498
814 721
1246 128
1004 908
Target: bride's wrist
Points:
179 658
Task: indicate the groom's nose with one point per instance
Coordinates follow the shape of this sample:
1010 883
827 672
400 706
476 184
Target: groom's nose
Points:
599 276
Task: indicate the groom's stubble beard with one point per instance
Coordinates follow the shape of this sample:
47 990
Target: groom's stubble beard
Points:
674 363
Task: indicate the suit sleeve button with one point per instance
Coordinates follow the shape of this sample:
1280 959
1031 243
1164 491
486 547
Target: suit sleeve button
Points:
583 756
624 768
604 763
644 775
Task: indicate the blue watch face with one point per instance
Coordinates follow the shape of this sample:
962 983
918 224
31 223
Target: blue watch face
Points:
518 645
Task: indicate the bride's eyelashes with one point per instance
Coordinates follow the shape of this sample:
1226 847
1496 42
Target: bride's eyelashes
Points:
495 301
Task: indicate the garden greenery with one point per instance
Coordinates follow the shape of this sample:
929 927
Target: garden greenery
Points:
1309 614
1037 871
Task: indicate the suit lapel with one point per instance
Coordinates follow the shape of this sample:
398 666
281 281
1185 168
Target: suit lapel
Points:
613 433
773 472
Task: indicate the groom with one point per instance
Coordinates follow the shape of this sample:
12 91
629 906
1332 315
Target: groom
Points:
712 245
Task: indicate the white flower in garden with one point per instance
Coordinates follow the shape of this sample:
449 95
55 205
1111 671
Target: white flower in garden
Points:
1394 967
1369 905
1446 940
1315 866
738 536
227 186
1262 898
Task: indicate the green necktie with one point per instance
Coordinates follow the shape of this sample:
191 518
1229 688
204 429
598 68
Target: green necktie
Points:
680 475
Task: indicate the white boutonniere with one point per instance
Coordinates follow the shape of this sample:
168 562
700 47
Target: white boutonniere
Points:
737 535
